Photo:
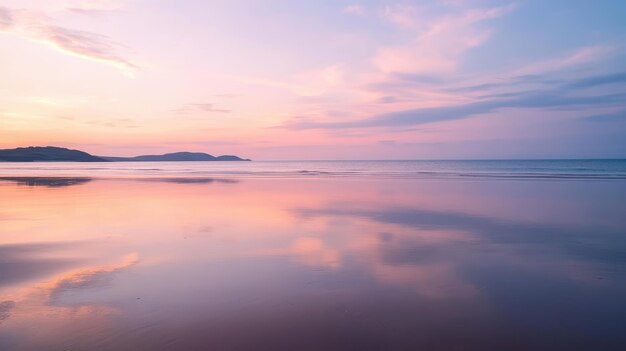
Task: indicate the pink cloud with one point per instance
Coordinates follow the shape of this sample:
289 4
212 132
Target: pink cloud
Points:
94 6
438 43
39 26
84 44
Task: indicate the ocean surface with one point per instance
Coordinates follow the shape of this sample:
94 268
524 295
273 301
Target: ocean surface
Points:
577 169
362 255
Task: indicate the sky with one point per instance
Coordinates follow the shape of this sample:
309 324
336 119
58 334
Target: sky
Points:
317 79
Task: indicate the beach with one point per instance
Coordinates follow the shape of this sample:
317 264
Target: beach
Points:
313 256
397 175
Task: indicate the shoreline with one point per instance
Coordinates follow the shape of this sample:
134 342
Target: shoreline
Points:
307 176
589 170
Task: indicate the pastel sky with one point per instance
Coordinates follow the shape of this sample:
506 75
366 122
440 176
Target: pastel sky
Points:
318 79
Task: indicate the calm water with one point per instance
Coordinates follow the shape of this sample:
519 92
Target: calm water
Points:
230 257
581 169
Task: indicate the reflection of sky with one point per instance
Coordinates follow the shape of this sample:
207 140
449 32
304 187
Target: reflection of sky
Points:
330 264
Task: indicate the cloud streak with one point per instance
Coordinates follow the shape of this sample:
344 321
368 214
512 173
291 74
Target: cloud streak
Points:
202 107
78 43
88 277
85 44
438 46
584 55
560 97
599 81
94 7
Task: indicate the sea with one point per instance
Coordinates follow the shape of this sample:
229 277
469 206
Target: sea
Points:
526 169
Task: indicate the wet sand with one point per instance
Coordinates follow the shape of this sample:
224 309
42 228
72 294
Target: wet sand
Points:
350 263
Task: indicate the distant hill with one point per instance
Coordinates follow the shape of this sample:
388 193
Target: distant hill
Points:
59 154
46 154
176 156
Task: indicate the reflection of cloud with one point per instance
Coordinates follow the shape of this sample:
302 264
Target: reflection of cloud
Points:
437 253
22 262
5 309
313 252
568 242
40 302
422 259
52 182
38 310
190 180
309 251
432 280
87 278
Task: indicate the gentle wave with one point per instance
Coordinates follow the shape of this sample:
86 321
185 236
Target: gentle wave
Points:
507 169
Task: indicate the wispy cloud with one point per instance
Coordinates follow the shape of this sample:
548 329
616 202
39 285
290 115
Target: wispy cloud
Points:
561 96
584 55
590 82
111 122
39 26
93 7
404 15
438 42
201 107
85 44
